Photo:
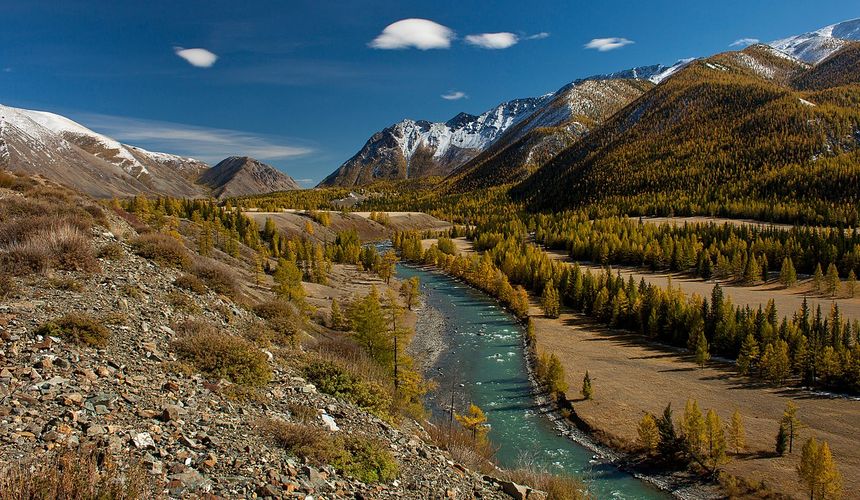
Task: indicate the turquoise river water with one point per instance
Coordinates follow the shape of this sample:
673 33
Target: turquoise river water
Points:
484 362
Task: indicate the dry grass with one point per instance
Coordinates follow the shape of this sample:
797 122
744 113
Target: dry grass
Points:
66 283
8 287
82 474
218 355
163 249
80 328
218 277
557 487
282 318
111 251
41 247
182 302
191 283
474 454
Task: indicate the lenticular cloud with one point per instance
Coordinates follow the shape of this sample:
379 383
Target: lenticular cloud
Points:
418 33
201 58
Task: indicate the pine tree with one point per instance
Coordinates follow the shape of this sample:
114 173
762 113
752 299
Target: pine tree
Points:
550 300
832 280
385 268
787 274
715 442
752 270
666 428
851 284
555 378
737 435
370 327
649 436
702 350
587 390
817 279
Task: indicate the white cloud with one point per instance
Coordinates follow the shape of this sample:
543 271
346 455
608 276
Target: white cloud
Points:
204 143
605 44
201 58
743 42
419 33
454 95
493 40
538 36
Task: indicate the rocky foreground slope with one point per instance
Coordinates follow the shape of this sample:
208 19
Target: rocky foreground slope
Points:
89 361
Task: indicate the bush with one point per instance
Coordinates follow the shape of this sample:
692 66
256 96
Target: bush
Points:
218 355
368 460
62 246
75 474
163 249
111 251
191 283
65 283
282 318
217 277
182 302
332 379
80 328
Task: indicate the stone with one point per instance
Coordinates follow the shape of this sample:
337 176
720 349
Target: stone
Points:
143 440
172 413
329 422
514 490
96 430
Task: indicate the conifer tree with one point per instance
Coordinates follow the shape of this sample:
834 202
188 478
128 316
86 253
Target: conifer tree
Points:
337 319
475 422
715 442
693 428
817 279
851 284
737 435
288 281
587 391
791 423
749 355
817 471
649 436
832 280
410 290
550 300
781 440
666 428
702 350
787 274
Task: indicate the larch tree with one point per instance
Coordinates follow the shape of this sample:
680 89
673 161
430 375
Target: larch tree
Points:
337 319
818 279
818 472
787 274
703 353
792 424
715 442
385 268
851 284
649 436
475 421
832 281
737 435
550 301
288 281
749 355
693 427
410 290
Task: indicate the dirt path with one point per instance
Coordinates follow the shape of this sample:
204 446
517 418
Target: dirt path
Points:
631 376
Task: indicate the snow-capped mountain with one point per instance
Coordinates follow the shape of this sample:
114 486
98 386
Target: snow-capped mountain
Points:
418 148
815 46
67 152
654 73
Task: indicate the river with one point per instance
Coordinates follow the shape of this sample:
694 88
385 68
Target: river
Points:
484 362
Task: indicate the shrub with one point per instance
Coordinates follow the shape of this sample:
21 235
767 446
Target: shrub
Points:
182 302
191 283
62 246
219 355
80 328
66 283
303 413
7 286
282 318
368 460
111 251
163 249
75 474
132 291
217 277
332 379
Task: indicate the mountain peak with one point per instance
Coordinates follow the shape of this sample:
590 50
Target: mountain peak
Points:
243 176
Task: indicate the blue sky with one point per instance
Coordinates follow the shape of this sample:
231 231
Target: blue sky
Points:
303 84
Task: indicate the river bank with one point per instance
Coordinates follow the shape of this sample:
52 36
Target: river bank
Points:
596 461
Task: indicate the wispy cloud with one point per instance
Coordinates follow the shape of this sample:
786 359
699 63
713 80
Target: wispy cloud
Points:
200 58
501 40
744 42
204 143
307 182
606 44
454 95
418 33
538 36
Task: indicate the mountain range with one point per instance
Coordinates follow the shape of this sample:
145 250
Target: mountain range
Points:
62 150
470 149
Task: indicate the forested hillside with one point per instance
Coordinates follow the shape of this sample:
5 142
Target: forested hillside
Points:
726 135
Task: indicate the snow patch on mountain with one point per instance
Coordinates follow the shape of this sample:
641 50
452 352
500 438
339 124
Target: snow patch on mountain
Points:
815 46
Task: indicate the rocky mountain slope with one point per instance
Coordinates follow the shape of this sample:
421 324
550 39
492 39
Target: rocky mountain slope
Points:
732 126
38 142
572 112
92 362
815 46
244 176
